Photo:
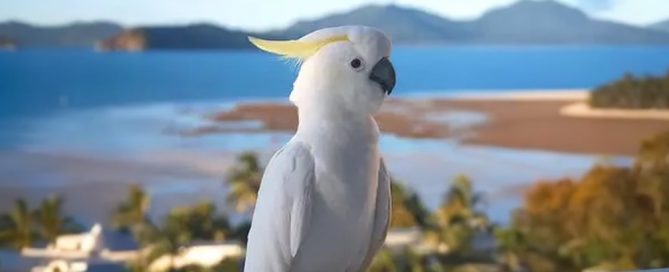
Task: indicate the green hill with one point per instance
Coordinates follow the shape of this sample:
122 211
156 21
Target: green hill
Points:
521 23
632 92
662 26
71 35
201 36
524 22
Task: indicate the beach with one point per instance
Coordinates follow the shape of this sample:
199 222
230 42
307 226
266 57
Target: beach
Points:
530 120
181 152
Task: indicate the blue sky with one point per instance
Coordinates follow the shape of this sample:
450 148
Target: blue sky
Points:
267 14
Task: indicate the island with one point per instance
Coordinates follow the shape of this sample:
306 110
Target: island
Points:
7 43
199 36
630 92
521 23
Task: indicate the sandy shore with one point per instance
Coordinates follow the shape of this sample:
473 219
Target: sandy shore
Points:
528 95
181 153
530 120
582 109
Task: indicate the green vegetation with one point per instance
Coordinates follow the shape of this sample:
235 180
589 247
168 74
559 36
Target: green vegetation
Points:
22 227
201 222
448 233
408 209
458 219
182 226
244 182
17 226
51 222
633 93
387 261
131 215
613 218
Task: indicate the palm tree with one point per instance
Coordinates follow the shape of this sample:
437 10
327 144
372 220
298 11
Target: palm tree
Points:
201 221
168 240
51 221
408 209
132 214
244 182
457 219
461 195
17 227
181 226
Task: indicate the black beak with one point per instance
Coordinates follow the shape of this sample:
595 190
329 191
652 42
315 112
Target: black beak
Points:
384 74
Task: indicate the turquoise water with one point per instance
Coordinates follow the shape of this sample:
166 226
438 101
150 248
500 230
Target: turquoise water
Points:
70 118
141 144
42 81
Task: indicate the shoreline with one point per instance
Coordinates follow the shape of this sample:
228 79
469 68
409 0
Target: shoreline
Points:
521 95
525 119
180 151
583 110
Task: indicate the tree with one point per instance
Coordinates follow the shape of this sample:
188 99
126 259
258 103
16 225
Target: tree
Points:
51 221
241 231
613 218
653 155
201 221
18 227
244 182
407 208
132 214
458 219
183 225
383 262
510 242
167 240
633 92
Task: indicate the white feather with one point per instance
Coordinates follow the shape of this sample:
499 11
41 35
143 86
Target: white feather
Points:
324 201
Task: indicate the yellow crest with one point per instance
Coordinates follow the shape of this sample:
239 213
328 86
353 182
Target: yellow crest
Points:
294 48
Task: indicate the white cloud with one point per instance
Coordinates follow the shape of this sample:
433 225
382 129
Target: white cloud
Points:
640 12
596 5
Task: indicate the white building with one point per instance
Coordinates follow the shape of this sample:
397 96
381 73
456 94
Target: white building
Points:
94 250
204 255
80 266
70 246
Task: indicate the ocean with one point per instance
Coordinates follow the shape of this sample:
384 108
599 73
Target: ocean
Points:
44 81
72 118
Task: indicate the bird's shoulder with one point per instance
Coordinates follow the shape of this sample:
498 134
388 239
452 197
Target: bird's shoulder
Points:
293 164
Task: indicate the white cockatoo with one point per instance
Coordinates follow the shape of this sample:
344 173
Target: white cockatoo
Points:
324 200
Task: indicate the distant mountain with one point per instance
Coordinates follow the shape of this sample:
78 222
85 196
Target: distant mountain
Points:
200 36
663 26
403 24
72 35
524 22
550 22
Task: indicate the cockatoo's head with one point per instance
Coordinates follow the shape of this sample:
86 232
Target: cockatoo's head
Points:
343 68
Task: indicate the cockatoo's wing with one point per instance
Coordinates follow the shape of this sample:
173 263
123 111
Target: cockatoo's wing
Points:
381 215
281 216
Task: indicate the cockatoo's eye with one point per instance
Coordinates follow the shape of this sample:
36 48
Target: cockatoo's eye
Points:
356 63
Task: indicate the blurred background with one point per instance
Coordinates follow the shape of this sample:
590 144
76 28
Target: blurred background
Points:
522 135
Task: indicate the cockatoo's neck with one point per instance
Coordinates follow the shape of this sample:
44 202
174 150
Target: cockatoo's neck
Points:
339 125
